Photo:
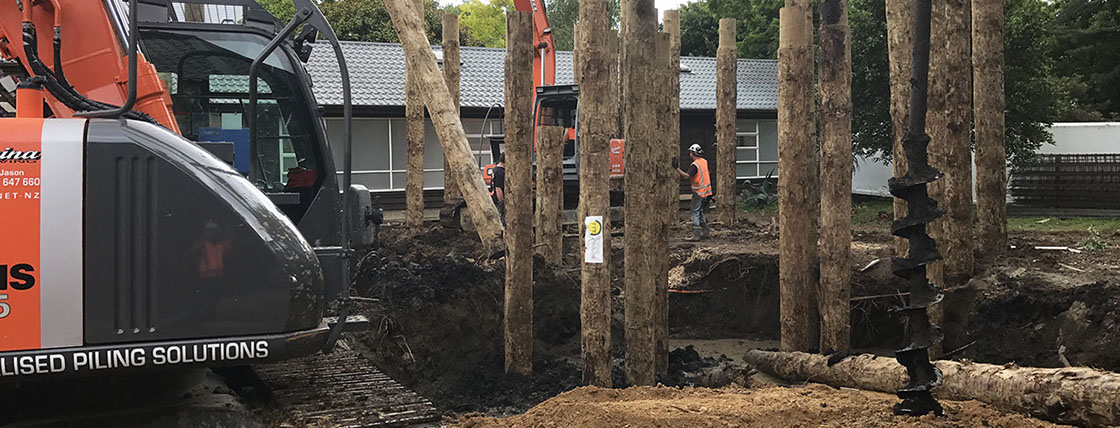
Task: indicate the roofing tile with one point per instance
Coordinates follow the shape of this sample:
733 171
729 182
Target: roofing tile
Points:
377 77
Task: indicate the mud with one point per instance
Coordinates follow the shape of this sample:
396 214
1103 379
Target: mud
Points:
1035 320
439 330
439 324
812 405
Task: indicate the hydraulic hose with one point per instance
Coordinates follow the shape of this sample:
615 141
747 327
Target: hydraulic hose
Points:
917 397
59 88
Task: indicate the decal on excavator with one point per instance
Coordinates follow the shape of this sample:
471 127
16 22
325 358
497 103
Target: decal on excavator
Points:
41 224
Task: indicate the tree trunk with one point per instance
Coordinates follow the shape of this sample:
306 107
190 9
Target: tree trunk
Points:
519 192
836 176
671 23
797 282
1075 395
597 116
900 18
414 143
988 102
444 113
451 194
640 125
726 111
950 146
550 193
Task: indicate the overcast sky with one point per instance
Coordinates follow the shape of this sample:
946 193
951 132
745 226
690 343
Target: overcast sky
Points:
662 5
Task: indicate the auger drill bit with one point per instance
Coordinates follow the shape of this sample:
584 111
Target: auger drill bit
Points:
917 397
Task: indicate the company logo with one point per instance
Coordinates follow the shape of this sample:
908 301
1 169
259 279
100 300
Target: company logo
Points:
10 155
595 228
19 276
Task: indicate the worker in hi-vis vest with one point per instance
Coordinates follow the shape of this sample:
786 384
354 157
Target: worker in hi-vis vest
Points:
698 176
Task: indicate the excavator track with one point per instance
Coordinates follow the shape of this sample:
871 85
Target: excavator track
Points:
344 389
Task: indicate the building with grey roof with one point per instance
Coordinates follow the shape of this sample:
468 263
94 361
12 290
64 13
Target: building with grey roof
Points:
377 82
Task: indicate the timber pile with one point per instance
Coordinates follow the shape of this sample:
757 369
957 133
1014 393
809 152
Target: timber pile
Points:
445 116
1074 395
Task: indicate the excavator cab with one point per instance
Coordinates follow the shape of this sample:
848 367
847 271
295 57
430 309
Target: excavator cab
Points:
195 218
558 105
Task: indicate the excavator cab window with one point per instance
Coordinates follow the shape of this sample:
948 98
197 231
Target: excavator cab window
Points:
207 74
560 111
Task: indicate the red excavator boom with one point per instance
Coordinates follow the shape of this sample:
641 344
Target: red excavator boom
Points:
90 38
544 64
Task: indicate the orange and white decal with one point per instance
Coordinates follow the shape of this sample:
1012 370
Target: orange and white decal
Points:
41 192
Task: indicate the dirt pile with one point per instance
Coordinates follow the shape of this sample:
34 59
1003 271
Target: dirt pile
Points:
1036 319
438 328
813 405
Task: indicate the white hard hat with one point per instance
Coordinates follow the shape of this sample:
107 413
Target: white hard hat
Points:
695 148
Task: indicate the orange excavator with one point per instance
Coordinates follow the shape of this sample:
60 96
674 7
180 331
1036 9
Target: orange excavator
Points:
554 105
167 193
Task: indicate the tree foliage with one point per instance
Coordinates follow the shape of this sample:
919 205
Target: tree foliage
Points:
486 20
1036 96
368 21
563 15
1087 56
283 10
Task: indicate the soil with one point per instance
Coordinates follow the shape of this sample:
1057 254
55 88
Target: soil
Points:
439 323
438 328
812 405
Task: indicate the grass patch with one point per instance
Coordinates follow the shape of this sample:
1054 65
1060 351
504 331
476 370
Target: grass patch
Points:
1103 226
867 212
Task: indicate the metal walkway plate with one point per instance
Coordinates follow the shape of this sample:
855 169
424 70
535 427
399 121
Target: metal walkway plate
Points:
344 389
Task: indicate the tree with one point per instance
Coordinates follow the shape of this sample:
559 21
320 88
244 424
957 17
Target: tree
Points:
364 20
1087 35
283 10
757 23
700 31
486 20
1037 94
563 15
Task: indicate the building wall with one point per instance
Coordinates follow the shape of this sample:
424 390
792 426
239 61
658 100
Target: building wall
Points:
756 142
379 147
379 150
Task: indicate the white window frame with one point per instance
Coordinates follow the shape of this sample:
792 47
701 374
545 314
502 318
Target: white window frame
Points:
758 162
757 143
476 149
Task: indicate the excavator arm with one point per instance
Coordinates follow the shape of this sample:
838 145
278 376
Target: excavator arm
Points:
79 49
544 63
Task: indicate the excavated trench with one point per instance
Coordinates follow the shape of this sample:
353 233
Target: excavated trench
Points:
438 328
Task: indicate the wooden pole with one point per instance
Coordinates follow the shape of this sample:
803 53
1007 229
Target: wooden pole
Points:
988 103
519 196
1072 395
671 23
414 143
726 112
795 198
451 194
836 176
640 130
900 18
597 117
445 117
576 78
550 193
950 145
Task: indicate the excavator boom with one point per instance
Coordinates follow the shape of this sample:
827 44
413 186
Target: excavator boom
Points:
544 63
80 48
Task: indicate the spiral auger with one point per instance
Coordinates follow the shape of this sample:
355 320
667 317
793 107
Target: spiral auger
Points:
917 397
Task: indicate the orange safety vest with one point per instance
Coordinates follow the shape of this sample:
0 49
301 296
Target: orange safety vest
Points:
700 183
